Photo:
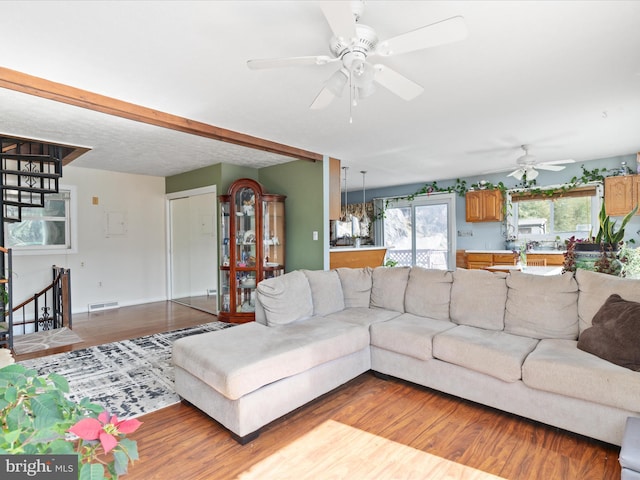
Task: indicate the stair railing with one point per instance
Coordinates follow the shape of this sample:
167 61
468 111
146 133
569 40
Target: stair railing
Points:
48 309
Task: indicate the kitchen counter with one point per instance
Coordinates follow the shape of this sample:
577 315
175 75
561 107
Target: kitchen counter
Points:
532 252
355 249
356 257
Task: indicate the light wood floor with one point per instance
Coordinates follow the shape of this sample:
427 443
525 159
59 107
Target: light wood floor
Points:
181 442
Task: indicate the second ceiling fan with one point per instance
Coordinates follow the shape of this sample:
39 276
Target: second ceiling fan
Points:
354 44
528 166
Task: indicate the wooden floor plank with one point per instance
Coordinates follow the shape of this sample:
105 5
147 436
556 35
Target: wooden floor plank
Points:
181 442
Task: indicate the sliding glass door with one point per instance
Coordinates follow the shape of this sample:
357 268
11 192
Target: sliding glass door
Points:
421 232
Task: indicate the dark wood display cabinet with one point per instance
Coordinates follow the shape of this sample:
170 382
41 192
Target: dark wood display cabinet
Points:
252 246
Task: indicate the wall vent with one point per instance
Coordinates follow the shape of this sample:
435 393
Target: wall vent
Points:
96 307
211 292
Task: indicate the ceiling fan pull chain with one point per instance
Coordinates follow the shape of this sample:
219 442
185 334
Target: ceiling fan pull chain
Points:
351 101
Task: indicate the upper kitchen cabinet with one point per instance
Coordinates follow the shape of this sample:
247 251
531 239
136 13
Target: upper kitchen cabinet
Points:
621 194
484 206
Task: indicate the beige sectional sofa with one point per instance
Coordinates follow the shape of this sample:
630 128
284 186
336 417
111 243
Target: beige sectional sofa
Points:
508 341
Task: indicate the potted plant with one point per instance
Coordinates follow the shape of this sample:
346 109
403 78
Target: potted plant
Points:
598 253
38 419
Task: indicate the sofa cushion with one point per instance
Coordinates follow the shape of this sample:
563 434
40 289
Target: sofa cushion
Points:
428 293
615 334
558 366
408 334
595 288
239 360
389 285
494 353
286 298
326 291
363 316
356 286
478 298
542 306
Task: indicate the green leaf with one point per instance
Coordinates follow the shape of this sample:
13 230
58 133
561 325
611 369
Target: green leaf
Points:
10 437
91 471
130 447
60 382
45 435
121 462
11 394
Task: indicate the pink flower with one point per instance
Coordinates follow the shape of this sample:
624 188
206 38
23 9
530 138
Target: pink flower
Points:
104 428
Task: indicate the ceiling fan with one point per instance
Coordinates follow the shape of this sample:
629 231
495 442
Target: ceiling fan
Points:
528 165
354 44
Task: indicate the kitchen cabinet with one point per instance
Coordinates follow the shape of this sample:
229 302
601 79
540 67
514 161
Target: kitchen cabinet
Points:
480 259
621 194
484 206
252 247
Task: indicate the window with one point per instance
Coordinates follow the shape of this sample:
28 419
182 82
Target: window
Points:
45 229
563 214
420 232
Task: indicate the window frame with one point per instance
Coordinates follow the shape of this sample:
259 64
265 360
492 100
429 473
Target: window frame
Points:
71 215
512 212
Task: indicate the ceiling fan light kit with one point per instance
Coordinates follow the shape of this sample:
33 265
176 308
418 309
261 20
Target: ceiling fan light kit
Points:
353 44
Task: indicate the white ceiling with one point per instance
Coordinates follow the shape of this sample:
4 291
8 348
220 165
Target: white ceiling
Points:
561 76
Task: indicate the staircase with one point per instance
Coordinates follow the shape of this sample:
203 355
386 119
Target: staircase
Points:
29 170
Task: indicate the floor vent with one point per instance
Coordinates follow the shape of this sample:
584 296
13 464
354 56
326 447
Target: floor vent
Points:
96 307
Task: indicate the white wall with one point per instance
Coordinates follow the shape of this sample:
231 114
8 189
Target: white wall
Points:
129 268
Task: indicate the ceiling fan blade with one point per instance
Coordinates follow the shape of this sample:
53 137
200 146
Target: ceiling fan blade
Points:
446 31
558 162
550 167
340 18
334 86
258 64
396 83
322 100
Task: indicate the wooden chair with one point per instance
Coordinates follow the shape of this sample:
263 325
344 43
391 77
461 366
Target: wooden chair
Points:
537 262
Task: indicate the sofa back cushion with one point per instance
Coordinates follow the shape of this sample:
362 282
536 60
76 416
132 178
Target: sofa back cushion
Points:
595 288
542 306
388 287
326 291
356 286
285 299
478 298
428 293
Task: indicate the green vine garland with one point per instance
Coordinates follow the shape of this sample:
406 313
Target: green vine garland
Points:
460 187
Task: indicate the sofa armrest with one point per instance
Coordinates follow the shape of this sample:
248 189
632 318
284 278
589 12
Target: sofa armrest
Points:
261 317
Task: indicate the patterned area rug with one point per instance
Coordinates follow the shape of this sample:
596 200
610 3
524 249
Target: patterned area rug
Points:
34 342
128 378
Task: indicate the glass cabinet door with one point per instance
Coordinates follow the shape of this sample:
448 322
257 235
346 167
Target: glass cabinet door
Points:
246 249
273 236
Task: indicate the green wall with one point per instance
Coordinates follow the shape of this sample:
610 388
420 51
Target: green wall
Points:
202 177
221 175
301 181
